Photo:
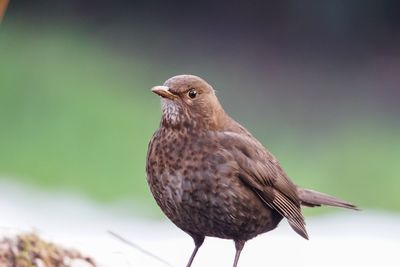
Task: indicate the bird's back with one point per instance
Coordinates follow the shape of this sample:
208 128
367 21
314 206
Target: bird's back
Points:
262 173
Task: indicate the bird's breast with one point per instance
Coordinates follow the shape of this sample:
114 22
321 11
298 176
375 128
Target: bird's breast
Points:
196 185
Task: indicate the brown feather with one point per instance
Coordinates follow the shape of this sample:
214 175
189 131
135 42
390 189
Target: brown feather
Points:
313 198
211 177
260 170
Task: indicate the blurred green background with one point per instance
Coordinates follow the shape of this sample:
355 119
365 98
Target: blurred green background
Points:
317 83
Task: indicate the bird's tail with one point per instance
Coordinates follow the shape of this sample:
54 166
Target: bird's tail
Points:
313 198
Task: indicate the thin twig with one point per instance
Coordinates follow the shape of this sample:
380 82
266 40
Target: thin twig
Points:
124 240
3 8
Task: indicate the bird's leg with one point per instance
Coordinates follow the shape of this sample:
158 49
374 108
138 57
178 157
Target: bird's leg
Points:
198 241
239 244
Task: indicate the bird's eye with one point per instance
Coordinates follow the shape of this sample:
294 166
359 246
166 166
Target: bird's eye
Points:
192 93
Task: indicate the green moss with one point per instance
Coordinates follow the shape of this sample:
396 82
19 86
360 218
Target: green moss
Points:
26 250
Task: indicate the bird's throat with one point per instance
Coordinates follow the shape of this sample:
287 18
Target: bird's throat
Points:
172 113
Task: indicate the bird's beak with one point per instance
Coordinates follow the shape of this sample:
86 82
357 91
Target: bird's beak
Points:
163 91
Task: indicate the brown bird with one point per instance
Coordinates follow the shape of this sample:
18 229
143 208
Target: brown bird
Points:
211 177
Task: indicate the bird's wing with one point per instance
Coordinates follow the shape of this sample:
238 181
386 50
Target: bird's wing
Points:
259 170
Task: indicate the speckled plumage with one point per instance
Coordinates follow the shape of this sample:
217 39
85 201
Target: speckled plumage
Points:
211 177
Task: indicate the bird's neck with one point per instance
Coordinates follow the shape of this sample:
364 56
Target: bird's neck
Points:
214 120
219 120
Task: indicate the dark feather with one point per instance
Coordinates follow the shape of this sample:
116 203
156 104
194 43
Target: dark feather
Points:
259 170
313 198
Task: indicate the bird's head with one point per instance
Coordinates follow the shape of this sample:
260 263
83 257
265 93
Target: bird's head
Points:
188 100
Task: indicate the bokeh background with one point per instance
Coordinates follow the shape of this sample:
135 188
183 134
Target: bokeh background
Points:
316 81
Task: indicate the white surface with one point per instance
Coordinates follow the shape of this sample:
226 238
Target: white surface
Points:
345 239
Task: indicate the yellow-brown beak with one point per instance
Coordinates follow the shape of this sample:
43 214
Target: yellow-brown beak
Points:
163 91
